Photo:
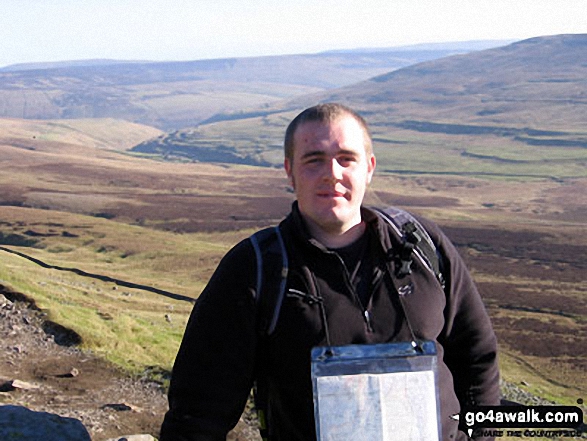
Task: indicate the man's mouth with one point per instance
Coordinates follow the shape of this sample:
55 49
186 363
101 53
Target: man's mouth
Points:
330 194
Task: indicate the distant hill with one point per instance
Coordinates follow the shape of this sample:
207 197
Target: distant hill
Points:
458 46
540 82
64 64
172 95
514 110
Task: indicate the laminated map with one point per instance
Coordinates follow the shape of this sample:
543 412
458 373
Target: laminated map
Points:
385 407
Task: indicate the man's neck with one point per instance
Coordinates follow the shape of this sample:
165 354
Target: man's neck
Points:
337 238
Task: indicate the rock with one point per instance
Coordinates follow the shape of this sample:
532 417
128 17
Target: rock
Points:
22 424
122 407
17 384
516 394
133 438
71 374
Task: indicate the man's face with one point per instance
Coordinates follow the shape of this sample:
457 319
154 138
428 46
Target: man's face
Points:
330 173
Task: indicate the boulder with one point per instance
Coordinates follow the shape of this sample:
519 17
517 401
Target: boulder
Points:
22 424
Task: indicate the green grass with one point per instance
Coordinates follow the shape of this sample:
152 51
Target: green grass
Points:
521 373
132 328
125 326
479 156
407 151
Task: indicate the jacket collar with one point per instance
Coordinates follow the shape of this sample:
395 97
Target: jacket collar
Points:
301 233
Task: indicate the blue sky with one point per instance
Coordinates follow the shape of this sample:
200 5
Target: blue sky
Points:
58 30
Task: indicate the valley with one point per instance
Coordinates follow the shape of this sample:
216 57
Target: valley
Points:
132 203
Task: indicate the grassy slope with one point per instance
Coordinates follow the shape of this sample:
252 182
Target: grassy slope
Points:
65 176
127 326
398 150
106 133
512 112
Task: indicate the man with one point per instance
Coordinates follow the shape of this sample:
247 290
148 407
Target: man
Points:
339 290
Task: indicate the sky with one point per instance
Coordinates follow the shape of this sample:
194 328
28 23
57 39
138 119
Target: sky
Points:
166 30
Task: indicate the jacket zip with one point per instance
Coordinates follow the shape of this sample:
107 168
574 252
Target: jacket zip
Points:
347 278
308 298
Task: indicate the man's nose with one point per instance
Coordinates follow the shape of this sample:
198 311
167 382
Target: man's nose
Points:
334 170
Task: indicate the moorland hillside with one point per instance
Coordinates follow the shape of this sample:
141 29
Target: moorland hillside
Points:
510 111
538 83
171 95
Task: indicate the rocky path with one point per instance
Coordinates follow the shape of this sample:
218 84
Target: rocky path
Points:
42 370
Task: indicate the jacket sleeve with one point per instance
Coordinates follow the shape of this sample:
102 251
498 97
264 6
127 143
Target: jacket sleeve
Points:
215 366
468 337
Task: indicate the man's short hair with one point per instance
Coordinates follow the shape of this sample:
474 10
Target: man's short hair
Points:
324 113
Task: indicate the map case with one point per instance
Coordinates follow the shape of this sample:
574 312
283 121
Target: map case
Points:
384 392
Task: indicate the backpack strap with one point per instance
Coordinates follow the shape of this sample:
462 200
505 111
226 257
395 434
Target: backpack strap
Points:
272 270
415 241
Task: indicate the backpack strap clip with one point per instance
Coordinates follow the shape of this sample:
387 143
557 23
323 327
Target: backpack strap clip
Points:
415 243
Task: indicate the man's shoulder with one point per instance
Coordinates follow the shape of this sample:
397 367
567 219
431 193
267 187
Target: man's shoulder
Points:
241 254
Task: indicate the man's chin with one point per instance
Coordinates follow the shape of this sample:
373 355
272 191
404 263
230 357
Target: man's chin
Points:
335 218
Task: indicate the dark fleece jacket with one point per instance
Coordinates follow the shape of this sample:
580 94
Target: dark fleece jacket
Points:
222 353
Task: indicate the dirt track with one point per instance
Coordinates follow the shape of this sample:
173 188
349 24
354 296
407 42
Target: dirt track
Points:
67 381
63 380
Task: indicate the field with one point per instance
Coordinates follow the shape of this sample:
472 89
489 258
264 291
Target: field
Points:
494 151
165 225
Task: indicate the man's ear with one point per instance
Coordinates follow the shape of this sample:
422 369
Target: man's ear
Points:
287 165
371 163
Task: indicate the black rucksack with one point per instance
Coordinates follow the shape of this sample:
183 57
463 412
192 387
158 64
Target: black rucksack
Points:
273 263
